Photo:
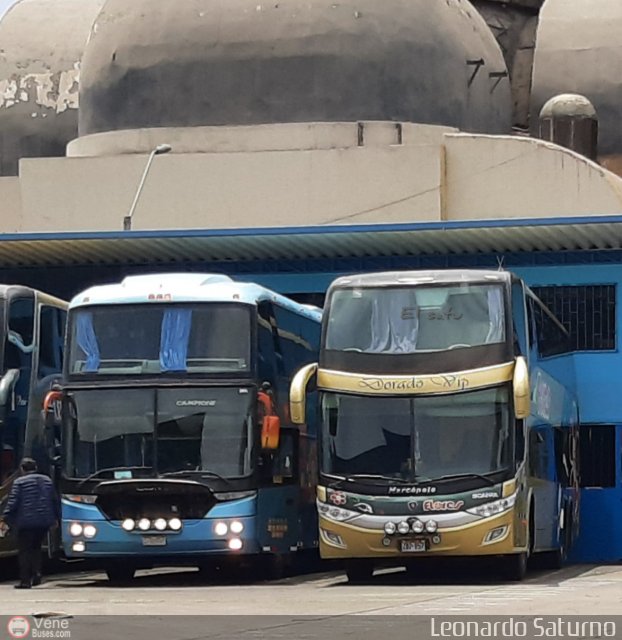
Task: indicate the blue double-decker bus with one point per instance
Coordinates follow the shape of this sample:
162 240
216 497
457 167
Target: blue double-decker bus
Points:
177 442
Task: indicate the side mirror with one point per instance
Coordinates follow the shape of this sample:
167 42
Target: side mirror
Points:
298 393
522 392
270 433
52 409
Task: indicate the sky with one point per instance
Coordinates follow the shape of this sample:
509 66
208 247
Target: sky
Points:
4 5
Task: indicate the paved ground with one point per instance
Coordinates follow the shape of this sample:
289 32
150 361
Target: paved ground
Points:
585 590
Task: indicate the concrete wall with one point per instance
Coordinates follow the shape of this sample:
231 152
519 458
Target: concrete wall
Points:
515 177
297 175
10 205
226 190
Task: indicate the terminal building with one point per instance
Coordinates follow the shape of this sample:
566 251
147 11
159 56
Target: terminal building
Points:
291 142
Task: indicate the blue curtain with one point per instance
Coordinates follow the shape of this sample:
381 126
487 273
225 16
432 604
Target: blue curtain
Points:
496 331
174 339
87 340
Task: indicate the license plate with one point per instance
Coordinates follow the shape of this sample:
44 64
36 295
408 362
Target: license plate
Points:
154 541
412 546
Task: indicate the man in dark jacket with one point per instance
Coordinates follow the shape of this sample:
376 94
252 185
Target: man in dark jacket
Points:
32 508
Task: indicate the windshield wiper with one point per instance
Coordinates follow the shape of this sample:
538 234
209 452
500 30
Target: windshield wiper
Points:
110 470
202 472
364 477
456 476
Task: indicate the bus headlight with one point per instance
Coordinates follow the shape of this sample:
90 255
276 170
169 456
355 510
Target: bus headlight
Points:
390 528
235 544
221 528
236 527
128 524
89 531
144 524
339 515
75 529
403 527
431 526
418 526
493 508
175 524
160 524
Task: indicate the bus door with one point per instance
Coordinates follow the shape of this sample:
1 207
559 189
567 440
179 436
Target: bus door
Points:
279 502
17 367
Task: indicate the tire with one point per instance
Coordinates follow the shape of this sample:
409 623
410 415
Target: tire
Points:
557 558
359 571
514 567
120 574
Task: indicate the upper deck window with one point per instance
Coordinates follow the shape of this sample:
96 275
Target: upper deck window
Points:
145 339
415 319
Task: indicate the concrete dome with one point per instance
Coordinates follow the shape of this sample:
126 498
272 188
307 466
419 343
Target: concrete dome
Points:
157 63
578 50
41 43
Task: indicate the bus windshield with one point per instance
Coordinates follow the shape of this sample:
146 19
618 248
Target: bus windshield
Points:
414 319
151 339
125 433
417 438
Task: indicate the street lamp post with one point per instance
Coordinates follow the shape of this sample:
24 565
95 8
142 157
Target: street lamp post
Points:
158 151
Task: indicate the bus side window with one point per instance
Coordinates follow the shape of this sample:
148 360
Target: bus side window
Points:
267 368
50 342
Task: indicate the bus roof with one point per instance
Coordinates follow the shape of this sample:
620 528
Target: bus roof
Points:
187 287
421 277
19 290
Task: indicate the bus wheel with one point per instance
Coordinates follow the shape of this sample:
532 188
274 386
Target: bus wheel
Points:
120 574
359 571
555 559
515 566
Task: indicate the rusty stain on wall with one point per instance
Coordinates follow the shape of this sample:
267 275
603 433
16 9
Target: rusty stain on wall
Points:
57 91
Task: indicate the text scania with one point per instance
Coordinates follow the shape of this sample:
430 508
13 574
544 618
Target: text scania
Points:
539 627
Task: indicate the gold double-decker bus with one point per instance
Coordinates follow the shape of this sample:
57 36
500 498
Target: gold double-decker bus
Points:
449 424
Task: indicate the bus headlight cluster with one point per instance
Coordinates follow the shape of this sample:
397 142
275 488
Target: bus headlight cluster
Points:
77 529
223 527
338 514
145 524
493 508
416 526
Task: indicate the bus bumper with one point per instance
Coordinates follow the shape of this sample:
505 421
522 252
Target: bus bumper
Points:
197 537
495 535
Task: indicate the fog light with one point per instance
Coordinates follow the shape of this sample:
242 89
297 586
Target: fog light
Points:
386 542
236 527
75 529
418 526
174 524
78 547
144 524
90 531
436 539
221 528
128 524
496 535
332 538
390 528
431 526
160 524
235 544
403 527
